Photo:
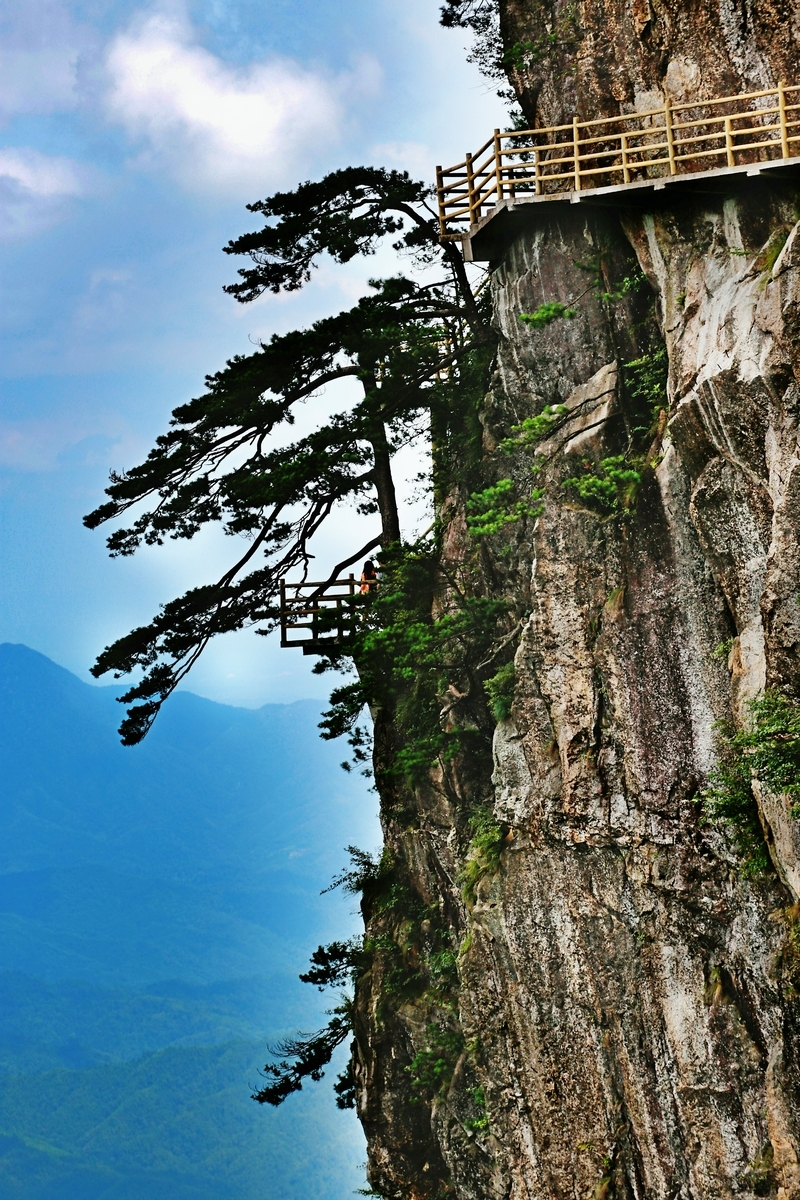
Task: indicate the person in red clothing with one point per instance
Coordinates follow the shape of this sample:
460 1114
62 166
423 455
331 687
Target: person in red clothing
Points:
369 577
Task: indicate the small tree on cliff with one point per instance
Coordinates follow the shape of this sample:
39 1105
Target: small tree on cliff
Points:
406 344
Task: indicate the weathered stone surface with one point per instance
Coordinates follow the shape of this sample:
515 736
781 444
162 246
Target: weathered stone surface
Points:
622 982
602 57
626 997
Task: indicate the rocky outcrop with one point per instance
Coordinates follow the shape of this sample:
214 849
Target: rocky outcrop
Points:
626 1021
624 997
592 58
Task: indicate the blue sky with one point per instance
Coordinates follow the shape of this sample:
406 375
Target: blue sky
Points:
131 137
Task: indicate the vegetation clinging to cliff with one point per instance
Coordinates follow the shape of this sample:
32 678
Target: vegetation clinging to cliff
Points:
407 659
768 750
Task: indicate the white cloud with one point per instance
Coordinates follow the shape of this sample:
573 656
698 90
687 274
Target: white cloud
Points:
414 157
218 127
34 188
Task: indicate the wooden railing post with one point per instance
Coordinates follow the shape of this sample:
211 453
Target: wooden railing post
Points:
729 143
473 208
440 195
283 612
576 152
782 118
498 165
626 175
686 139
673 169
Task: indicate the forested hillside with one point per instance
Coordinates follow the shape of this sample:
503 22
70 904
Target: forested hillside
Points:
156 906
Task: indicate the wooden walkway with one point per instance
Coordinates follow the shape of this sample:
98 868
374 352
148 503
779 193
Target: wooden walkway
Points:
320 616
612 154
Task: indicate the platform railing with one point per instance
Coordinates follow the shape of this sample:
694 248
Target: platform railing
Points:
676 139
317 616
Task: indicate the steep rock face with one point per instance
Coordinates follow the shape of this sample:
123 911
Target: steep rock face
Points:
602 57
625 999
646 1027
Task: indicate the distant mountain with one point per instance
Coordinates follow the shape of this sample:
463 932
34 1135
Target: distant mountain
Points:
177 1125
160 901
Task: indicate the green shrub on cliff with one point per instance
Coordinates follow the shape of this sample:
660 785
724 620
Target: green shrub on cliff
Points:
495 507
545 314
646 379
768 750
609 486
533 429
500 690
432 1068
483 855
406 658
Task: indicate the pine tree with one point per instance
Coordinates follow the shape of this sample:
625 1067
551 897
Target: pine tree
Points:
405 343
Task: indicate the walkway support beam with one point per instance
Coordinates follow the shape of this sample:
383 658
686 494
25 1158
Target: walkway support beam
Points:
498 165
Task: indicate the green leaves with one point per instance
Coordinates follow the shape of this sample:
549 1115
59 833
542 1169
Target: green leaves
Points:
646 378
500 690
769 751
336 964
609 487
406 659
483 855
345 214
432 1068
534 429
551 310
492 509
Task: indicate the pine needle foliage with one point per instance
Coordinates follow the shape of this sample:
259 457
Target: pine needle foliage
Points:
610 486
646 379
500 690
482 18
412 953
415 349
534 429
302 1057
545 314
406 659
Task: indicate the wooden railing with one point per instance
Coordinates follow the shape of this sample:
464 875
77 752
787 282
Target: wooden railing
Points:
320 615
614 151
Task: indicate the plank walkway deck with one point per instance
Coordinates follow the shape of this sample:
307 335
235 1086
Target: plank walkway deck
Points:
622 161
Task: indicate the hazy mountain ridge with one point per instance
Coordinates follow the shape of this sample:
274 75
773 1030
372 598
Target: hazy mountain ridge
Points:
156 906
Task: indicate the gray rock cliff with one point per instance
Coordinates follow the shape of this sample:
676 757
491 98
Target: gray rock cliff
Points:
625 1011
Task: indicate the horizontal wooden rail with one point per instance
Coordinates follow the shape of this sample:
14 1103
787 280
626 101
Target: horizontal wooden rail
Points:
676 139
316 615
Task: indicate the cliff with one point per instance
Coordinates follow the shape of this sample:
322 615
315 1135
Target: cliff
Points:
608 1005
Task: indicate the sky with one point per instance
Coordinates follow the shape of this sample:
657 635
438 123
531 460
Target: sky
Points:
131 138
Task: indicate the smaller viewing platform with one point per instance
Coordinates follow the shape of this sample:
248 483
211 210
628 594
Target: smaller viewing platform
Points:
618 160
322 616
